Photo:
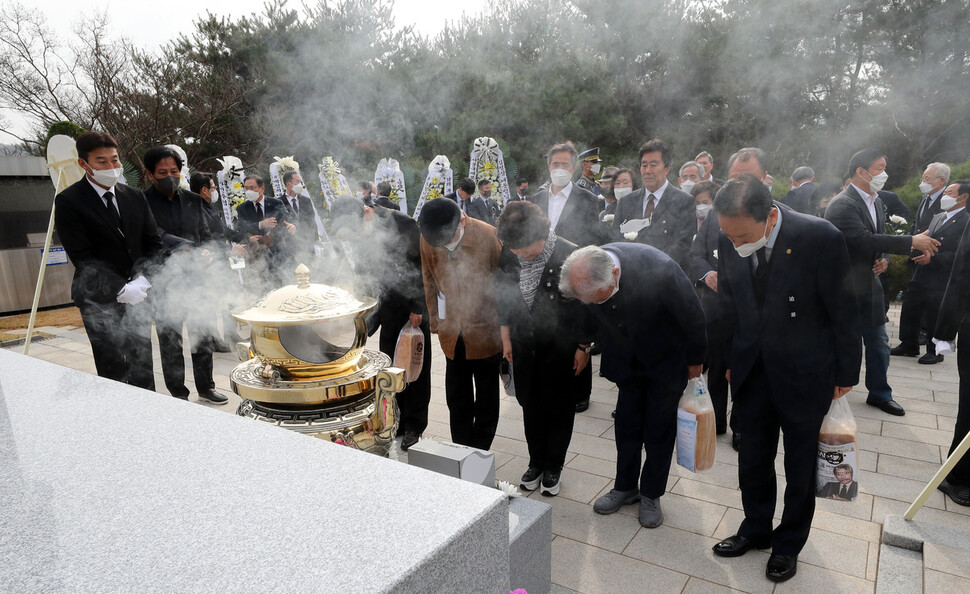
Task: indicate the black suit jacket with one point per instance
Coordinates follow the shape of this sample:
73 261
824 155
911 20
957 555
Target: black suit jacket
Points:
934 275
673 223
894 205
866 243
476 207
217 225
104 257
955 306
704 261
808 332
653 327
306 233
926 212
580 218
247 222
800 198
831 489
191 229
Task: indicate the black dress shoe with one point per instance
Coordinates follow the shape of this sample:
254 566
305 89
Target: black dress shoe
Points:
221 347
904 350
613 414
781 567
890 406
930 359
737 545
960 494
736 441
410 438
582 406
214 397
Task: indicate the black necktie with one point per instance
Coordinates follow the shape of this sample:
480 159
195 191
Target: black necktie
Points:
295 202
761 276
259 211
112 211
464 206
842 492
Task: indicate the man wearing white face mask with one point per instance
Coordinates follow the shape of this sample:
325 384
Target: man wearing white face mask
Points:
301 213
859 214
931 185
785 300
691 173
591 163
925 291
110 235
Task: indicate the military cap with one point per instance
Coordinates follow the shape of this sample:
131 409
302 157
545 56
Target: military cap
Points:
592 155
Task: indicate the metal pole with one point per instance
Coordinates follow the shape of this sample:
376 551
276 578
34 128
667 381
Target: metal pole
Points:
941 474
43 269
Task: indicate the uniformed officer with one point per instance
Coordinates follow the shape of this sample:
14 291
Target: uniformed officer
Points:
591 163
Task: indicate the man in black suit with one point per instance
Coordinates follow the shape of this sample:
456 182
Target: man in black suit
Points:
387 253
843 488
783 286
110 235
659 214
954 318
799 197
383 196
860 215
521 189
264 222
306 233
182 224
932 184
573 214
706 161
925 291
469 203
653 341
485 191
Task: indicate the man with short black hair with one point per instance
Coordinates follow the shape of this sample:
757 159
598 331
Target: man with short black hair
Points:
263 220
384 196
469 203
109 233
781 275
485 191
658 214
521 189
459 256
302 215
859 214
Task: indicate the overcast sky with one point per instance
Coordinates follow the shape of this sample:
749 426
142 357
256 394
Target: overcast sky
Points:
152 25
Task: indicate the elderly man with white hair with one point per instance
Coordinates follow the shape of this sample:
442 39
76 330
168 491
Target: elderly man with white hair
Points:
653 340
932 184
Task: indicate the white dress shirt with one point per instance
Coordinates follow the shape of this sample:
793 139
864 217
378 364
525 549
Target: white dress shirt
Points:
102 191
656 197
870 201
557 202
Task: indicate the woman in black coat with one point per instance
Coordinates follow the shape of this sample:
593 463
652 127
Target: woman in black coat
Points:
546 336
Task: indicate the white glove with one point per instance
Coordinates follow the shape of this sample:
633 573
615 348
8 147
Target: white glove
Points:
134 292
943 347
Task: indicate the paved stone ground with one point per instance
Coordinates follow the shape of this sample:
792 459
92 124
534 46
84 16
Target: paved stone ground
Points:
592 553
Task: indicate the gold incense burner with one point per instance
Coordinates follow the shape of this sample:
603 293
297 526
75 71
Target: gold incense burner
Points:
306 368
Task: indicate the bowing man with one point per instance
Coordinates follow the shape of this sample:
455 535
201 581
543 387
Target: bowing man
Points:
784 287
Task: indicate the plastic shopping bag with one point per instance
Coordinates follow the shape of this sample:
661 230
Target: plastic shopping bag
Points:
696 432
837 468
409 352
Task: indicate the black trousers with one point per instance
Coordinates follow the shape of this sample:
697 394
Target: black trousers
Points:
646 418
920 308
173 362
583 385
717 383
121 342
548 408
960 475
473 410
756 468
413 401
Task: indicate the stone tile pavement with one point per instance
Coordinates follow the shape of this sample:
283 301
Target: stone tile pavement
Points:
592 553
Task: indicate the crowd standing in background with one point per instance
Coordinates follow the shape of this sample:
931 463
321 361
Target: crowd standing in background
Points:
666 276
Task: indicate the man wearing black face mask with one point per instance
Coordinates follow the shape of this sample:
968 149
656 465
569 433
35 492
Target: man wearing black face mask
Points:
110 235
182 223
485 191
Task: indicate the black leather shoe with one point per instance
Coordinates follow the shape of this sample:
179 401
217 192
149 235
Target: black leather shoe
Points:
904 350
781 567
930 359
890 406
613 414
582 406
410 438
214 397
221 347
736 441
737 545
959 494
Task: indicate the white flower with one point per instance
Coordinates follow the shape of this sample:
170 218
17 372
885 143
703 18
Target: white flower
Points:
715 254
608 218
508 488
287 163
632 235
897 220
